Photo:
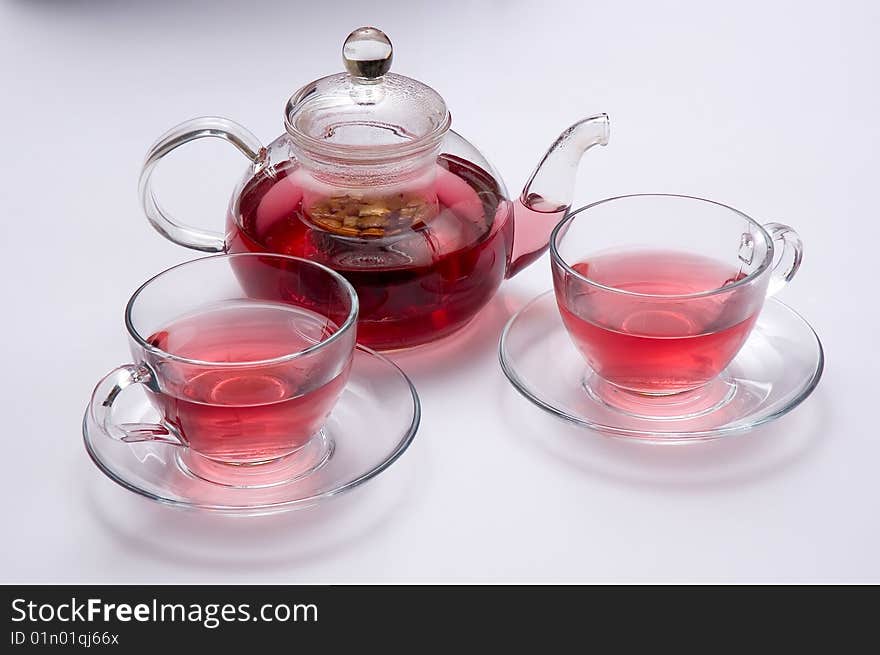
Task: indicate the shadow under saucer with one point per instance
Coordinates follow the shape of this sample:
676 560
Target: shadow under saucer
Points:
750 457
244 544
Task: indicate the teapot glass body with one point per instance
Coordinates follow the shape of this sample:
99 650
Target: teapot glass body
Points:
370 181
424 257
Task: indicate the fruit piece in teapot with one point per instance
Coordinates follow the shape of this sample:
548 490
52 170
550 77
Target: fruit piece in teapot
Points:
373 216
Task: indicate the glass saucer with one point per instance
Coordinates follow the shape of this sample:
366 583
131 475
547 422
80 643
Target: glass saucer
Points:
373 422
777 368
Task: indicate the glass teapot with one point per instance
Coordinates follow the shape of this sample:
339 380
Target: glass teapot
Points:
370 180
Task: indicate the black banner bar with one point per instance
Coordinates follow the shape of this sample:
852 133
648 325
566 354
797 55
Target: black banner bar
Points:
244 619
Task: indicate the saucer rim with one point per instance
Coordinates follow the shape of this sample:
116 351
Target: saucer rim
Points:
659 437
288 505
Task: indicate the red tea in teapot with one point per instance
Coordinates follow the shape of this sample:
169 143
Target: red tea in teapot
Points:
422 266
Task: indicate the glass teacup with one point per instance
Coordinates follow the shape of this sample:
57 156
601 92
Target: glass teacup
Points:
244 356
660 292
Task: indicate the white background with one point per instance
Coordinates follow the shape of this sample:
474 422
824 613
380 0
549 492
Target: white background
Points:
772 107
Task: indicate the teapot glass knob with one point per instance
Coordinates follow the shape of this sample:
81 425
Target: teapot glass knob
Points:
367 53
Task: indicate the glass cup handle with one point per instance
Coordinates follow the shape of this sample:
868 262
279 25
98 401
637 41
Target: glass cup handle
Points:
197 128
788 244
101 408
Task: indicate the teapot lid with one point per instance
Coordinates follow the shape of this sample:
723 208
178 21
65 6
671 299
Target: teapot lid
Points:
366 113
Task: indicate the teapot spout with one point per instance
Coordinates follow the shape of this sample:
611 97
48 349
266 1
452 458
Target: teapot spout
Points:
548 193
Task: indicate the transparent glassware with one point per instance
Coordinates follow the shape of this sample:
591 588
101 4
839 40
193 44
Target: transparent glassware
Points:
377 393
660 292
244 357
777 368
657 328
370 180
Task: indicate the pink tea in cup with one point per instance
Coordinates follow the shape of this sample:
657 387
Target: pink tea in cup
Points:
248 411
653 338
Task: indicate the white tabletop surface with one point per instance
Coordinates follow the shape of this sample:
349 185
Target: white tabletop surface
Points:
769 106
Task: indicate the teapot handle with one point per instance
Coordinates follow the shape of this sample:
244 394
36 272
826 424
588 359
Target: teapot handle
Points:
197 128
